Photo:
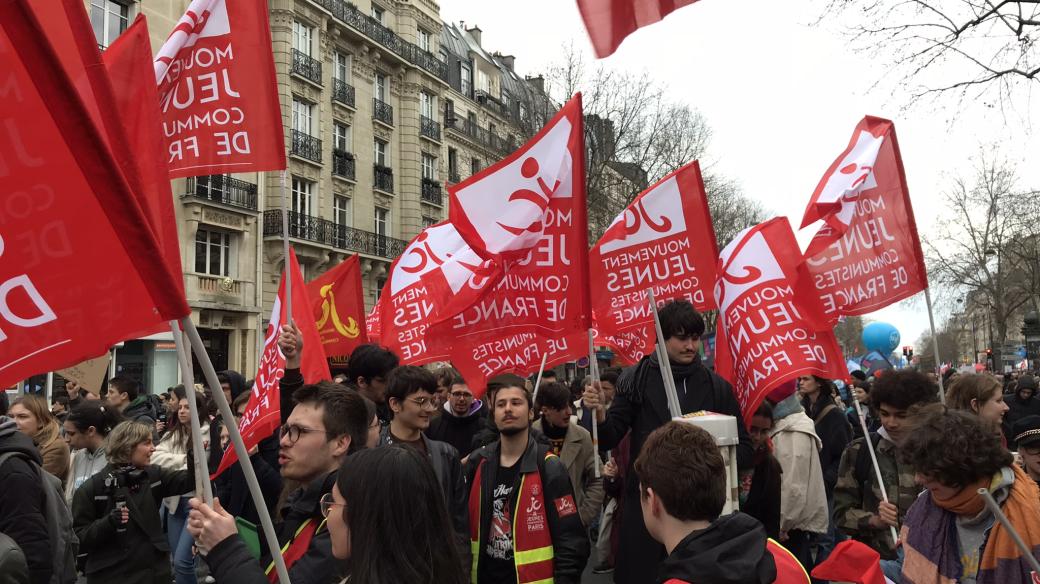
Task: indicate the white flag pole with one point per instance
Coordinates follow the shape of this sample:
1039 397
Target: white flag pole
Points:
285 252
202 482
935 345
594 374
873 459
666 366
240 449
538 380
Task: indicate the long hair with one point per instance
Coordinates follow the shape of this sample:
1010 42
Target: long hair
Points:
180 431
398 522
37 406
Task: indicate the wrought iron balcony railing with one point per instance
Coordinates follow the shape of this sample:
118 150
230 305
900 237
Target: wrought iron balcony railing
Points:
343 164
431 192
382 111
343 92
306 66
306 146
384 178
430 128
223 189
480 135
325 232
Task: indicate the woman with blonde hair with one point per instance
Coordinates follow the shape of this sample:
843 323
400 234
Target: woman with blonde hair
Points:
116 512
35 420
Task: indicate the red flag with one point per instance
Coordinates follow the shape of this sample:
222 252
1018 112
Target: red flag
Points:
339 308
80 271
503 212
851 561
372 322
218 91
868 254
767 333
263 413
610 21
665 241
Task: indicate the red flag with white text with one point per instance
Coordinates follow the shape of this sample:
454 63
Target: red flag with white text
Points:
663 240
867 254
218 91
339 308
263 414
79 253
373 324
768 334
610 21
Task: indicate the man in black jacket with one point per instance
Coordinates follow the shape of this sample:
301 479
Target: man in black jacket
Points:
410 394
22 504
523 518
640 405
462 419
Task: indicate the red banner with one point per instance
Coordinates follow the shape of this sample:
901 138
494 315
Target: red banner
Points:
79 272
372 323
218 92
868 254
768 334
663 241
263 414
339 308
610 21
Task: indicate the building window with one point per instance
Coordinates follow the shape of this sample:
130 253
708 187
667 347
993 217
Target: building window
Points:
341 136
483 82
429 167
213 252
449 112
424 40
379 87
302 193
380 152
380 282
427 105
301 116
472 117
378 13
428 222
109 19
341 214
492 128
453 164
466 74
382 221
474 166
341 66
302 37
523 112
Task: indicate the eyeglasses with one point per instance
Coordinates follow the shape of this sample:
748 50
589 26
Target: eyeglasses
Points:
1030 450
326 504
294 431
460 395
425 403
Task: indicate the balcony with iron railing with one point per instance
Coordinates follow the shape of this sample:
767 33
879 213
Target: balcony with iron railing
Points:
383 178
482 136
306 146
429 128
454 177
382 111
306 66
431 192
343 92
342 164
350 15
325 232
221 188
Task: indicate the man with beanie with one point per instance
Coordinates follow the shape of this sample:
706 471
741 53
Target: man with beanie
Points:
641 406
22 505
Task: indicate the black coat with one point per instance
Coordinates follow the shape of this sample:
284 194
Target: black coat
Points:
763 500
23 502
231 563
731 550
641 407
140 555
231 488
569 537
459 431
835 433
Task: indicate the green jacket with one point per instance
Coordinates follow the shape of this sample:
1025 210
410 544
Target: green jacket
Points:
856 498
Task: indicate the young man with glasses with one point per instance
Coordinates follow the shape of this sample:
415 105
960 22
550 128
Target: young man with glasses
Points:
461 419
328 423
410 392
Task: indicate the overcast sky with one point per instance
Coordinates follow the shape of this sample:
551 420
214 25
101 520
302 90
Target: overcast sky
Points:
782 97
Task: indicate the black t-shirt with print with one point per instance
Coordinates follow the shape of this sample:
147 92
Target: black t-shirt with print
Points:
496 565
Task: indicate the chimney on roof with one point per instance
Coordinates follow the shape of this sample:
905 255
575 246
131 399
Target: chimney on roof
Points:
508 61
475 33
537 82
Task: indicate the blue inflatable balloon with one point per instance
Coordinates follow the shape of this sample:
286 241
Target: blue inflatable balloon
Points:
881 337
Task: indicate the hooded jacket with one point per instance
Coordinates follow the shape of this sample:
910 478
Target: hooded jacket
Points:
22 504
141 410
803 497
459 431
85 464
579 456
732 550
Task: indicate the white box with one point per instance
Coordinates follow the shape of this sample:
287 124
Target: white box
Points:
724 429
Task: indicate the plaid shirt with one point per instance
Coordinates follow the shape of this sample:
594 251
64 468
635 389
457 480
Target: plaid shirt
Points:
855 501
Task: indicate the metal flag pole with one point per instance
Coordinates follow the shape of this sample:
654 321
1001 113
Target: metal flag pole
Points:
935 345
666 366
240 449
594 374
202 482
538 380
285 253
995 509
873 459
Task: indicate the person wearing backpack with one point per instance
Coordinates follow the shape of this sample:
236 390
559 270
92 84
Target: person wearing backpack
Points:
859 510
23 502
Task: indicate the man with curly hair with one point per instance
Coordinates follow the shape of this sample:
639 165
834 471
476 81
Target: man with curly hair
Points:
860 511
949 534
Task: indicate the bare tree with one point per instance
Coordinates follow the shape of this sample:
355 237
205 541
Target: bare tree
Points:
971 48
850 335
948 349
982 251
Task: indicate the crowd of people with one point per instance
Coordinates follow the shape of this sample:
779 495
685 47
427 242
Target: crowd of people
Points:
393 474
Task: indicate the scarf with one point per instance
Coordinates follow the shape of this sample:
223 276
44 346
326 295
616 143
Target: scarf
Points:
633 381
967 502
932 550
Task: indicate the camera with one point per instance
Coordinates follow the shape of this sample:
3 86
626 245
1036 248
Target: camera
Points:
127 477
162 417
